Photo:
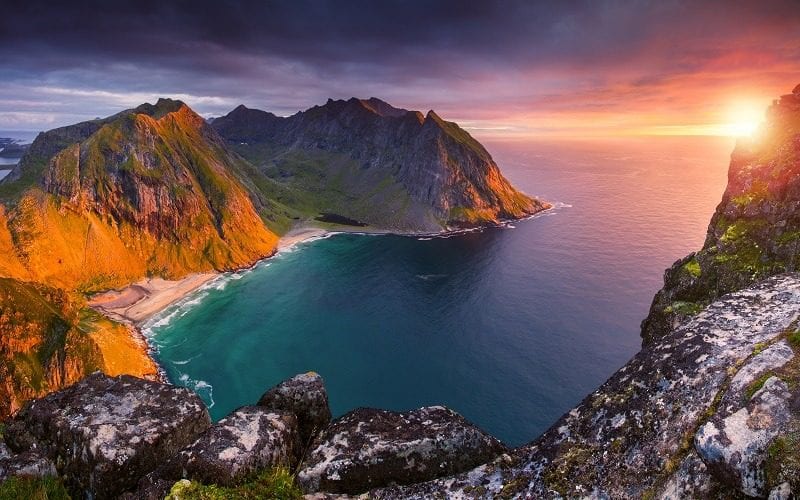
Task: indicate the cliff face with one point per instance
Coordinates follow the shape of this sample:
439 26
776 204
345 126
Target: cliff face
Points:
150 191
371 162
755 231
48 341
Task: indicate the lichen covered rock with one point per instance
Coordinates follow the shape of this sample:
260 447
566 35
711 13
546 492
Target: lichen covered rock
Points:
28 464
105 433
735 446
249 439
367 448
304 396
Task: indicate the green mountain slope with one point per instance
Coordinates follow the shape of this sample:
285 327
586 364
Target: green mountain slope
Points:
385 166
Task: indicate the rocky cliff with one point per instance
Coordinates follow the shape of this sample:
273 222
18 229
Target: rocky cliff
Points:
371 162
755 231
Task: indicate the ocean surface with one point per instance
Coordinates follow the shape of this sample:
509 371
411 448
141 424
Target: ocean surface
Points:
511 327
6 164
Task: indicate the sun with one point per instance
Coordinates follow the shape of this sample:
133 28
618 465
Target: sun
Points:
744 118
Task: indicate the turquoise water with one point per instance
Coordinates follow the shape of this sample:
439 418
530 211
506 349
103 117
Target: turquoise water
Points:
510 327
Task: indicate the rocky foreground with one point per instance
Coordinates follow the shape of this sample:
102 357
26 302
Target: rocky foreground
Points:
708 411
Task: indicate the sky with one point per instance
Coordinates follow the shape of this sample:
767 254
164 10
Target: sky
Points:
507 69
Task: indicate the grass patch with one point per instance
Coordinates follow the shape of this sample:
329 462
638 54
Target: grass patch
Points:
756 385
18 488
277 484
693 268
783 460
683 307
794 339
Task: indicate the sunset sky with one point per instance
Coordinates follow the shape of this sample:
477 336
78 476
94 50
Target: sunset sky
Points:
510 69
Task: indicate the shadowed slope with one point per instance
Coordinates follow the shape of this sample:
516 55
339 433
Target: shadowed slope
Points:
372 162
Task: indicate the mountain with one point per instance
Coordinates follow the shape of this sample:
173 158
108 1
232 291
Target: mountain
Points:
149 191
755 231
368 161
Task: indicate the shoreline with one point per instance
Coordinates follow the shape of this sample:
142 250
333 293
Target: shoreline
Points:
137 303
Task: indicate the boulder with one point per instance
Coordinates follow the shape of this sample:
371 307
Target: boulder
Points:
251 438
28 464
106 433
734 447
781 492
305 396
369 448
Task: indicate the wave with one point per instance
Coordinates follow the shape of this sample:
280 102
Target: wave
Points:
429 277
185 361
200 387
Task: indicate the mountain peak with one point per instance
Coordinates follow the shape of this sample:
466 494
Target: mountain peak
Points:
381 108
161 108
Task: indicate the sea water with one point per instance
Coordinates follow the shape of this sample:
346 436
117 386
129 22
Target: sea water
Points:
510 326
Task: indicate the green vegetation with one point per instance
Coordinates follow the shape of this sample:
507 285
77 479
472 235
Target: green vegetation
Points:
788 237
783 460
756 385
11 192
683 307
567 465
18 488
794 338
276 484
693 268
741 228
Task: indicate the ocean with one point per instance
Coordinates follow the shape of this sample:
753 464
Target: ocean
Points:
511 327
6 164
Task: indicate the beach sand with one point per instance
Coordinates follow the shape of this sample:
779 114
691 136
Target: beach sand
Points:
138 302
300 234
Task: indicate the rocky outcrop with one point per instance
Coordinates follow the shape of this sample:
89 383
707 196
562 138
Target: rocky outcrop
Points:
369 161
248 440
31 463
734 446
755 231
305 397
105 433
367 448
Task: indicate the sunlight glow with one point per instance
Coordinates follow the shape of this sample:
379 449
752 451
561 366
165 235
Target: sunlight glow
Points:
745 116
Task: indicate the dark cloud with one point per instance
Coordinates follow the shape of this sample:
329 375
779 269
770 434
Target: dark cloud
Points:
288 55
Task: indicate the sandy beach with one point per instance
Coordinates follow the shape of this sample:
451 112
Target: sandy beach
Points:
300 234
139 301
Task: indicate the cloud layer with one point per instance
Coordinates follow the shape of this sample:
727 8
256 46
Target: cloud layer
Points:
514 68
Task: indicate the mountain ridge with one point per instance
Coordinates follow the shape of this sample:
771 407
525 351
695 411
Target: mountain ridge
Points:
420 173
